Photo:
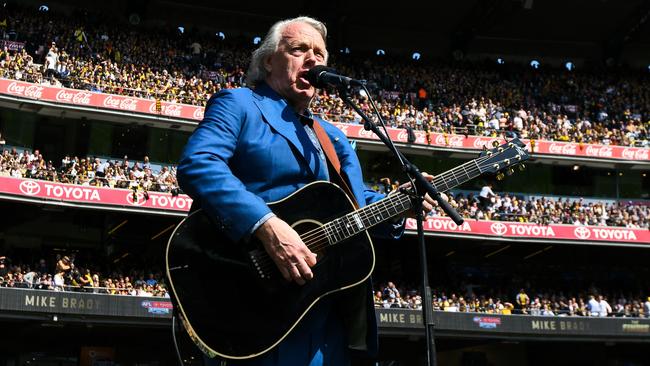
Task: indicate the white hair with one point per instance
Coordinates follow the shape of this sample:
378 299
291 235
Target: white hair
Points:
256 71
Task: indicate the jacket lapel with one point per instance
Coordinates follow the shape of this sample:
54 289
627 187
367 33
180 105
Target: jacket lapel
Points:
279 115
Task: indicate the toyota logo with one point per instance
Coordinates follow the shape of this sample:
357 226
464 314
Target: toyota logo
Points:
499 228
29 187
582 232
139 199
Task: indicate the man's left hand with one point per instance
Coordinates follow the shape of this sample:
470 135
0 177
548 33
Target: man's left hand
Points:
428 204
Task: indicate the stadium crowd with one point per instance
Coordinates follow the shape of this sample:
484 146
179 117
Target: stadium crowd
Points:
589 303
484 205
65 276
93 171
102 55
488 205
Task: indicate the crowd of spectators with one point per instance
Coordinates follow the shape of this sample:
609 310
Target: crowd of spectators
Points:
66 276
589 303
488 205
96 54
90 171
483 205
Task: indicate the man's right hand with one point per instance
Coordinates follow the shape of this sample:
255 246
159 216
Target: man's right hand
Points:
290 254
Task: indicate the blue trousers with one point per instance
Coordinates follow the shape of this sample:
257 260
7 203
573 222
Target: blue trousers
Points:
318 340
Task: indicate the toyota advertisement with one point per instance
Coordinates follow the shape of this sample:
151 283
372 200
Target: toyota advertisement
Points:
49 191
54 192
504 229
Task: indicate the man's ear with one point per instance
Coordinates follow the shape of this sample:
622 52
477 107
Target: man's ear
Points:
267 64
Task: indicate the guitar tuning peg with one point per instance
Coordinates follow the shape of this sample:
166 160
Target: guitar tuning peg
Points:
500 176
495 143
510 171
522 167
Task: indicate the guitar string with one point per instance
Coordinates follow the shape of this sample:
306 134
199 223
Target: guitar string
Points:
313 239
438 180
321 238
441 179
315 236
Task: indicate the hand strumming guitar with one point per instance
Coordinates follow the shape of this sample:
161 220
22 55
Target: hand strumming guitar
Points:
284 246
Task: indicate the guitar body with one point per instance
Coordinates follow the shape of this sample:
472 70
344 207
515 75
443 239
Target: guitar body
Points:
231 297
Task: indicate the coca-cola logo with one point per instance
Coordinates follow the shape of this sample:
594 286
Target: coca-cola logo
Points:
635 154
498 228
365 134
15 88
343 127
599 151
127 104
480 142
135 199
67 96
34 91
582 232
31 91
198 113
562 149
402 136
172 110
452 141
29 187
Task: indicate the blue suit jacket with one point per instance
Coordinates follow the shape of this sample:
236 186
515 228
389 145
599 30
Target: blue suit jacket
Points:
251 149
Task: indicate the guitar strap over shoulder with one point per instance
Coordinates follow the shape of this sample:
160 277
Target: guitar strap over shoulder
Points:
333 159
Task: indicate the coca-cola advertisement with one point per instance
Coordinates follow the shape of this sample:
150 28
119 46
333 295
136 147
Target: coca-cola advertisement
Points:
126 104
481 142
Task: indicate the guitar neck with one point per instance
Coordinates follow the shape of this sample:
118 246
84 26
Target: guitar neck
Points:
393 205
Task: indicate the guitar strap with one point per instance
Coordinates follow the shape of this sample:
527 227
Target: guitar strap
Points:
333 159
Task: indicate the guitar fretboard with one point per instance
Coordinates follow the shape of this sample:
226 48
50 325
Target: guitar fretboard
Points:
364 218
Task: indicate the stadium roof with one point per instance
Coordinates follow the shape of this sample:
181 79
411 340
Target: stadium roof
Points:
589 29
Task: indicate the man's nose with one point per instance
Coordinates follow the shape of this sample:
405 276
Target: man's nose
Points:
310 56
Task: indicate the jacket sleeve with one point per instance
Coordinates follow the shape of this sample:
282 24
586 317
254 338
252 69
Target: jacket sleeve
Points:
204 174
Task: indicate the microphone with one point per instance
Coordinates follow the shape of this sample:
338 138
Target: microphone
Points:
321 76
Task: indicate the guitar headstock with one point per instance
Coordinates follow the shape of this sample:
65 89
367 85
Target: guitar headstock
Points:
505 156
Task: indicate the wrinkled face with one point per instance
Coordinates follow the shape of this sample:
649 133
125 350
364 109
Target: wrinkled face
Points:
300 49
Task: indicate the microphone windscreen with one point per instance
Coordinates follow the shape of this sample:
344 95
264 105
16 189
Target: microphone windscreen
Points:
313 75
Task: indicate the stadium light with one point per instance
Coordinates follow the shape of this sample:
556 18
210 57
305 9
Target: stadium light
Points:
534 64
576 167
257 40
500 61
181 30
569 66
220 35
416 56
381 52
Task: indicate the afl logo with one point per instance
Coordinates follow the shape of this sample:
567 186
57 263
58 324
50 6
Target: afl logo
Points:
29 187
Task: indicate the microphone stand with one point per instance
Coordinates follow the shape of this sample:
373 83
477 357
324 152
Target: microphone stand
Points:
420 187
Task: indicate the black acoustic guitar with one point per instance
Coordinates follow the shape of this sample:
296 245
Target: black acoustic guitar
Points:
232 299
